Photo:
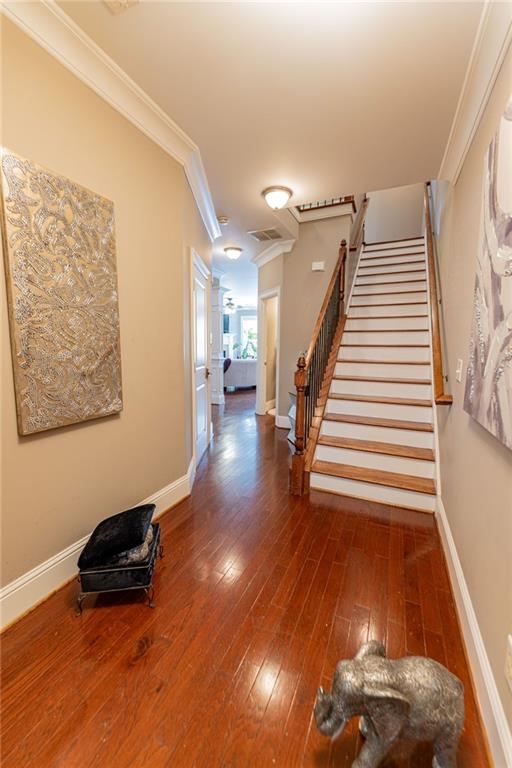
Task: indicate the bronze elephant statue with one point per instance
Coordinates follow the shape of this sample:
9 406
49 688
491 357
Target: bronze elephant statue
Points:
413 697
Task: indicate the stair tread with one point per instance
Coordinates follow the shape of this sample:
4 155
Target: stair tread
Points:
373 446
378 476
387 304
382 362
398 240
383 317
381 379
385 330
395 346
421 403
390 282
386 293
395 264
377 421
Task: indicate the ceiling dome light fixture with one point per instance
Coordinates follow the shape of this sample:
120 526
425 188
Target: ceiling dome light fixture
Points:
232 252
223 220
277 197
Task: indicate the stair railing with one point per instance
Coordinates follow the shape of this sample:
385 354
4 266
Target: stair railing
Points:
440 396
311 368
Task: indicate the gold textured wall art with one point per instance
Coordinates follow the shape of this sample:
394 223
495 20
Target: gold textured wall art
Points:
60 265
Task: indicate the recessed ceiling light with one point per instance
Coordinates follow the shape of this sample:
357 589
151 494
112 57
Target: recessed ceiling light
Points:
232 252
223 220
277 197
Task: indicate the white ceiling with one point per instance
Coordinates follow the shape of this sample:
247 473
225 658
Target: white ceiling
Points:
328 98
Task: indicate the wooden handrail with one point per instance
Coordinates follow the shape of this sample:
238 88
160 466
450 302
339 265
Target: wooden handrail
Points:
356 238
338 269
440 396
311 368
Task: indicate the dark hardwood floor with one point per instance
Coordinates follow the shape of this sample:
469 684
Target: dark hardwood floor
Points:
258 596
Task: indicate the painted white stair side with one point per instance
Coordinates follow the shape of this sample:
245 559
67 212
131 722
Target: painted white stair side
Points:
386 261
387 299
394 435
396 497
385 322
394 310
385 370
395 244
377 437
383 387
354 352
373 460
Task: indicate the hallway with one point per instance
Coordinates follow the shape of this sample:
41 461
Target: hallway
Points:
258 596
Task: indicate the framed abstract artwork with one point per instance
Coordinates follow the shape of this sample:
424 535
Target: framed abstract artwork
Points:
60 266
488 393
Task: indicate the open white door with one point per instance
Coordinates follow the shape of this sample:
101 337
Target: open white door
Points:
200 359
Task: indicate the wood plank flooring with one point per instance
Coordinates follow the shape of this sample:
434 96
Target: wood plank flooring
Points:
258 596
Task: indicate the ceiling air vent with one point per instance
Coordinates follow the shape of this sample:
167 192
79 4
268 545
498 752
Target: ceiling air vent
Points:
262 235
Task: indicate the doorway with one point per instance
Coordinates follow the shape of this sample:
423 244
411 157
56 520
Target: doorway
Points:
201 405
268 353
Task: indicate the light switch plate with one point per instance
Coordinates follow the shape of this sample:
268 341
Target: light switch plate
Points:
458 372
508 662
318 266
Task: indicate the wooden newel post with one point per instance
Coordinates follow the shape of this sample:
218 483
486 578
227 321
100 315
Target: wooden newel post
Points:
343 258
297 471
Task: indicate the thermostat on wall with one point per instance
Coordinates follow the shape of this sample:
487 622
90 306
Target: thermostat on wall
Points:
318 266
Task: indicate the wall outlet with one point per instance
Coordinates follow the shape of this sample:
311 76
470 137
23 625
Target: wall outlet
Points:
458 371
318 266
508 662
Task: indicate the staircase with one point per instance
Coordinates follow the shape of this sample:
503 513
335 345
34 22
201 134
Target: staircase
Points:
376 438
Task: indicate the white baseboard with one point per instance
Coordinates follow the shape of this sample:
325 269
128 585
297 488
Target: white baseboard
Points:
495 721
25 592
283 422
270 404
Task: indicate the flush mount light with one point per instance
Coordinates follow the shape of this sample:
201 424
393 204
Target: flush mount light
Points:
277 197
232 252
223 220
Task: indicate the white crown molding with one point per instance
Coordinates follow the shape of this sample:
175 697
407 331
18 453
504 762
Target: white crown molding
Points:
272 252
491 44
50 27
495 721
25 592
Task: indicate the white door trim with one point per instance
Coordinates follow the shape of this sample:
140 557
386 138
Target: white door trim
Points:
197 262
261 397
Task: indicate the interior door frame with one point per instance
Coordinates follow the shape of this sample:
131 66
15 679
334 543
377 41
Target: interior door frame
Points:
197 262
261 386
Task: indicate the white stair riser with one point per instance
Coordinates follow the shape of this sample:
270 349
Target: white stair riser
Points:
384 388
379 493
371 460
395 243
384 370
391 323
380 410
384 261
384 353
394 287
386 337
395 251
388 298
391 278
368 269
397 311
379 434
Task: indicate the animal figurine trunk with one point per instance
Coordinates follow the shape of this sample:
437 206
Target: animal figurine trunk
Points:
412 698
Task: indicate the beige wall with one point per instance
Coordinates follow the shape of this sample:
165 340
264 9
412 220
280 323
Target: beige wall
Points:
57 485
394 213
302 292
271 307
476 469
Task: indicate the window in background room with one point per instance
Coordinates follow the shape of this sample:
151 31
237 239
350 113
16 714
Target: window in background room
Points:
249 336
